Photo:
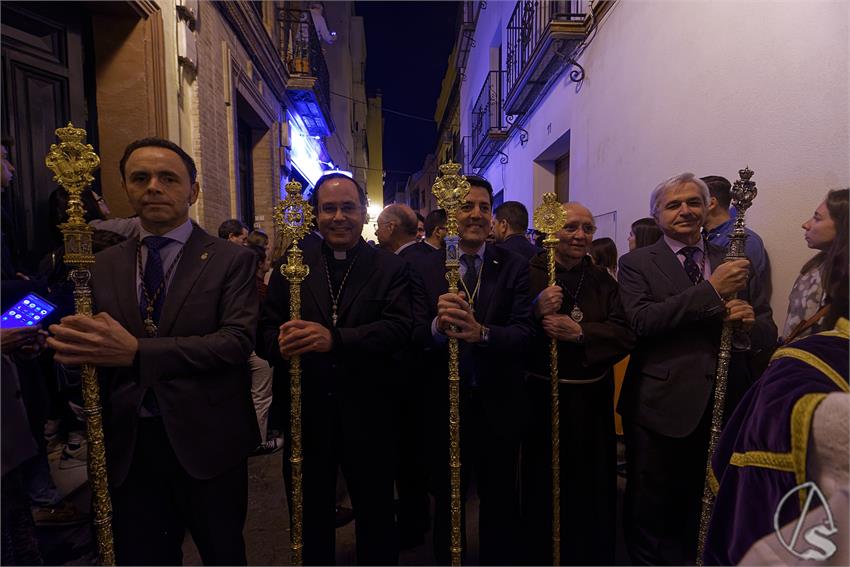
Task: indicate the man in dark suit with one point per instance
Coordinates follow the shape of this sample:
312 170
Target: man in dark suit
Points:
355 314
397 233
510 227
675 297
491 318
176 316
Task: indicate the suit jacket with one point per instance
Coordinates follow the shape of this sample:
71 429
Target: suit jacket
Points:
197 366
671 372
504 306
374 321
519 244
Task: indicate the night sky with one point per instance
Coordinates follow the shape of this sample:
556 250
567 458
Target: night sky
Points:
408 45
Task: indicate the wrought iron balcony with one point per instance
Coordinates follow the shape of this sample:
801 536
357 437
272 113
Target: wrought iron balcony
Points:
541 36
471 9
489 129
309 81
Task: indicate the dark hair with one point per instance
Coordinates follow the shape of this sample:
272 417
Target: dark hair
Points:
314 197
836 204
259 252
419 217
434 220
231 227
720 188
159 143
604 253
515 213
478 181
258 238
836 286
646 232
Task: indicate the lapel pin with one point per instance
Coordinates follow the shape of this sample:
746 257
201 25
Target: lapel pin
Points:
205 255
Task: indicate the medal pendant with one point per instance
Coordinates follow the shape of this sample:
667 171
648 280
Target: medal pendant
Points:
150 327
576 314
334 318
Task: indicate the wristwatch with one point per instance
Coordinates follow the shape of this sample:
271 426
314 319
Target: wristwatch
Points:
485 334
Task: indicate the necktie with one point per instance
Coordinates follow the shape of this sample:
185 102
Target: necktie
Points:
154 276
470 278
691 267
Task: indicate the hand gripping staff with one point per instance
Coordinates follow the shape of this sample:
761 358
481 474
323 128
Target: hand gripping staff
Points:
72 162
294 217
451 190
549 218
743 193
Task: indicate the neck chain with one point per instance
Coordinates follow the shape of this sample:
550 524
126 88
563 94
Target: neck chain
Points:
471 296
335 296
150 326
576 313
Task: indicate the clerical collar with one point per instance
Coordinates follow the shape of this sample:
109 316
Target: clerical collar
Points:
341 255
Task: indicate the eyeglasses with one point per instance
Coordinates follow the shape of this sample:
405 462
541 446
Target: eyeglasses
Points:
348 209
573 228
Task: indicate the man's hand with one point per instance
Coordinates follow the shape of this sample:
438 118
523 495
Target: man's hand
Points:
561 327
453 310
730 277
299 337
740 310
548 301
98 340
12 340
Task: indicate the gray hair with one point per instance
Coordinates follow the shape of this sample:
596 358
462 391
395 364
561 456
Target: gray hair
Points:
672 183
404 216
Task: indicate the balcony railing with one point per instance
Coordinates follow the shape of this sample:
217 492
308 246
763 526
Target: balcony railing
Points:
489 129
533 29
309 82
471 9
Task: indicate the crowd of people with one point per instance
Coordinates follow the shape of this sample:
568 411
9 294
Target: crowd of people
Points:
193 341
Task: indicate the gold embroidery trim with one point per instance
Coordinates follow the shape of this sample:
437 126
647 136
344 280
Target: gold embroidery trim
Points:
814 362
764 459
713 485
801 424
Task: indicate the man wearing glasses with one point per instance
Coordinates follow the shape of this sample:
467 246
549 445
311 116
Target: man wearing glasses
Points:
355 314
583 312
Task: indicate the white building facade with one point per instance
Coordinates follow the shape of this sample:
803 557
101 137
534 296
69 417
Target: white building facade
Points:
662 88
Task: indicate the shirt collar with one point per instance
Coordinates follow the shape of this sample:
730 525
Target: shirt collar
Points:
720 229
479 253
675 245
181 234
403 246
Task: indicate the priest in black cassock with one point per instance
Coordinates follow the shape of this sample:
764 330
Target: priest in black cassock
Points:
355 315
583 311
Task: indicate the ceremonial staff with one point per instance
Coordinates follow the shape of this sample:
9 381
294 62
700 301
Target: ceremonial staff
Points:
549 218
72 162
743 193
294 217
450 190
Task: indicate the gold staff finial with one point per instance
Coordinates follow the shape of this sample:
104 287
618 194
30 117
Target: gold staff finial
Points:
294 219
549 218
72 162
451 190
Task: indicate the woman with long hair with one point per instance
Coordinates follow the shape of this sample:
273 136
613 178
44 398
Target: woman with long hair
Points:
604 254
825 231
645 232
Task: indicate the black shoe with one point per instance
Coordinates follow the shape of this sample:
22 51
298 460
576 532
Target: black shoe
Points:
343 516
273 445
